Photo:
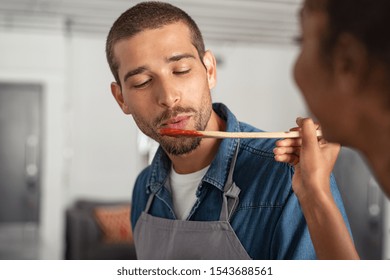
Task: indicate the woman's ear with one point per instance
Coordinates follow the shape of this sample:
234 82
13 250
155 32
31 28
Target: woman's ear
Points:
117 93
211 68
351 65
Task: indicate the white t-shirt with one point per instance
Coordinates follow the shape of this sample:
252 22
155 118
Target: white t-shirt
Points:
183 188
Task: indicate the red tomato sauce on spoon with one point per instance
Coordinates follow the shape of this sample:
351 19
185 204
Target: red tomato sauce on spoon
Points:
179 132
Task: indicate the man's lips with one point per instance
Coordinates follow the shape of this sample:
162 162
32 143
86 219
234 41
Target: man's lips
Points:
178 122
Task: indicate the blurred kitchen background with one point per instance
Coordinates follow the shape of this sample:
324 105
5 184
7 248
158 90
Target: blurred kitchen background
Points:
64 139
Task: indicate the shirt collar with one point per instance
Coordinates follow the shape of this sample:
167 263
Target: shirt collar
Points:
220 166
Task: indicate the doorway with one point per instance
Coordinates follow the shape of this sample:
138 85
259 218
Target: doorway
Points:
20 169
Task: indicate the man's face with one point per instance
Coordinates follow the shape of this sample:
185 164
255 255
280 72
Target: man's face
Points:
164 84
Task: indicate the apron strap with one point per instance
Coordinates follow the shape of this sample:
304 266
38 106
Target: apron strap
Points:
149 202
231 191
229 203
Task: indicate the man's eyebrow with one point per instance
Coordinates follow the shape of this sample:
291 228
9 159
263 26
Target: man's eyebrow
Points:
136 71
178 57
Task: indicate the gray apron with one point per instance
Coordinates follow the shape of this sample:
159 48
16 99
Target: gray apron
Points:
159 238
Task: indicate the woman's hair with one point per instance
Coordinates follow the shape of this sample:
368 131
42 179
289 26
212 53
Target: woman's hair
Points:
366 20
148 15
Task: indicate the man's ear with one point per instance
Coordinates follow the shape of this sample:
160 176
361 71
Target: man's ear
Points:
117 93
350 63
211 68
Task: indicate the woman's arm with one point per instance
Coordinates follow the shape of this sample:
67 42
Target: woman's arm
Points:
313 161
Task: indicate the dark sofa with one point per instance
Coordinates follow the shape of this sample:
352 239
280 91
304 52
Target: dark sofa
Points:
84 237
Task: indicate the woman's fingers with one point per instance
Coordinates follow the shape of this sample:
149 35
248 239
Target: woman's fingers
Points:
287 158
301 120
287 154
287 150
308 133
289 142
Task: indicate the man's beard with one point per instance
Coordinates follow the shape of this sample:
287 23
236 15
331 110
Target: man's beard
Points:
180 146
177 145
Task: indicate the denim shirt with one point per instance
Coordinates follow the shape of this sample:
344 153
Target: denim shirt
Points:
267 220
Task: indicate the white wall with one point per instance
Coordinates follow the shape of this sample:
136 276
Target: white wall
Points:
256 83
91 146
103 139
40 59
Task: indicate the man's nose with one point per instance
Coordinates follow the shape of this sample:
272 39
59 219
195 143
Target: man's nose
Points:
168 96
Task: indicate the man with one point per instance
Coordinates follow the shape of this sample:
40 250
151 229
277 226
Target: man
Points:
200 198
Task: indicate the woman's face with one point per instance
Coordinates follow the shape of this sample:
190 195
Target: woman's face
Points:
314 75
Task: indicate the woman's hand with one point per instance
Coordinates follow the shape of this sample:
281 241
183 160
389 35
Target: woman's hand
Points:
313 158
